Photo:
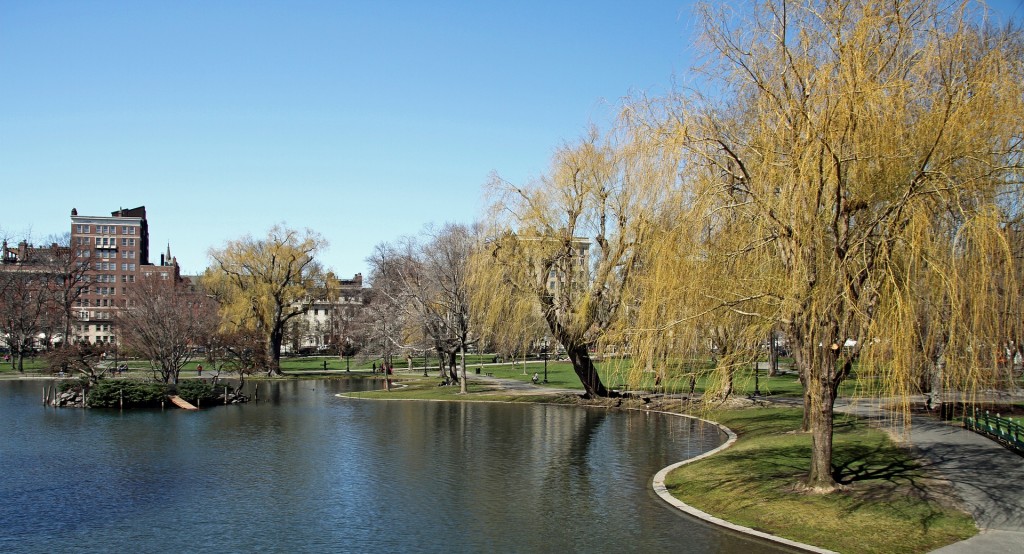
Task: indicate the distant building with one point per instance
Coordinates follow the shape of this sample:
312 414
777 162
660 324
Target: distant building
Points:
115 253
33 280
331 323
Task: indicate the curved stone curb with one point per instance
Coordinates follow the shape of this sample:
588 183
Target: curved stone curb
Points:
662 491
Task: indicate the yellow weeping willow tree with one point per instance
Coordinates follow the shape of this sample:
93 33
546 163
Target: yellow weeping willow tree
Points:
953 294
847 186
263 284
561 250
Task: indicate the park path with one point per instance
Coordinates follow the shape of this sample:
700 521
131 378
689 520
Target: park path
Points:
987 478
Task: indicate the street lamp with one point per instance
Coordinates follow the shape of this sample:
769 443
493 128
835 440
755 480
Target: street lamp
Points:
544 352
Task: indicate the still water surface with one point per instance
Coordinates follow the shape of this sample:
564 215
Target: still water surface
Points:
306 471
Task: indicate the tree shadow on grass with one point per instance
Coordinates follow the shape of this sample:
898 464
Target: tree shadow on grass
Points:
890 477
857 463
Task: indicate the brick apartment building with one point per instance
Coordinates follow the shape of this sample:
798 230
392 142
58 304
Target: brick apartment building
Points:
116 251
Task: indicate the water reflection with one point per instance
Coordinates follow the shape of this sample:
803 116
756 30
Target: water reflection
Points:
305 470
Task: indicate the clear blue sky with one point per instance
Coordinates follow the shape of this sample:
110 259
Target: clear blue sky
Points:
361 120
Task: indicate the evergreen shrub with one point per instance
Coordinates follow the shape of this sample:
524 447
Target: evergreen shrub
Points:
135 394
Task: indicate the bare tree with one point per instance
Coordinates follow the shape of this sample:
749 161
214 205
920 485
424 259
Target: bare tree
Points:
164 322
243 351
69 283
385 319
81 358
23 308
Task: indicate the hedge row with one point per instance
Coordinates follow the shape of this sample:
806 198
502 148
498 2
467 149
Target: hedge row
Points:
116 393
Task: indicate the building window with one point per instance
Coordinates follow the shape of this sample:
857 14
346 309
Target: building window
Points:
124 229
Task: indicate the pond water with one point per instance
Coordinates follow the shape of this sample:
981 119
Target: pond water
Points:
304 470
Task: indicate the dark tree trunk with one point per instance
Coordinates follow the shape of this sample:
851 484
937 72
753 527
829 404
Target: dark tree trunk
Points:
587 373
821 378
274 352
819 415
20 358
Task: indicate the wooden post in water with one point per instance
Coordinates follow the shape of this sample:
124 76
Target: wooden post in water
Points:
46 393
120 398
225 394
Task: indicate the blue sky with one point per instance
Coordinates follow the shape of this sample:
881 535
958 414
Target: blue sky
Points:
363 121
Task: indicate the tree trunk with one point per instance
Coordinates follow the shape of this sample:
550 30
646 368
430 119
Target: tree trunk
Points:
820 478
453 374
587 373
935 396
462 382
820 385
20 359
773 355
274 352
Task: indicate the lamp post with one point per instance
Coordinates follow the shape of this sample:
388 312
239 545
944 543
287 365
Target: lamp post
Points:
544 352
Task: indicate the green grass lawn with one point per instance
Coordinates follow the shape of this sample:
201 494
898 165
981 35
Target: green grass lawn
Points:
886 506
34 364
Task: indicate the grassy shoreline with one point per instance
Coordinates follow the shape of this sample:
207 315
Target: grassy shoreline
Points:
889 503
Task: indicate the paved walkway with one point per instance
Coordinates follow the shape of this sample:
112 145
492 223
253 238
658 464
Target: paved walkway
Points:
988 478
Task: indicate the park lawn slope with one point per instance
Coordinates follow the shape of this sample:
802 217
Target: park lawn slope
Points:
888 504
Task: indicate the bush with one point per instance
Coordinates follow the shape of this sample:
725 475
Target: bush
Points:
134 394
200 393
